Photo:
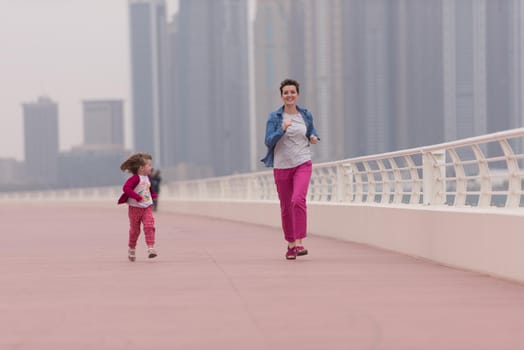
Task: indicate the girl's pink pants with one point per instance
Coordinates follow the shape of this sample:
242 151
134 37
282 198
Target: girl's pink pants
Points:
139 216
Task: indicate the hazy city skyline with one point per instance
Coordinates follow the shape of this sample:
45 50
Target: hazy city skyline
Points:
69 51
379 76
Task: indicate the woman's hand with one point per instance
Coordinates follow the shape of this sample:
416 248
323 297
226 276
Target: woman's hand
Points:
285 124
313 139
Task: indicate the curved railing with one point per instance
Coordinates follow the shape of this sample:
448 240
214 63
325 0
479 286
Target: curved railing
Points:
480 171
74 194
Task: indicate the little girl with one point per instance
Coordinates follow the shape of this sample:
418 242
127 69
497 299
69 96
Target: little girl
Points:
139 195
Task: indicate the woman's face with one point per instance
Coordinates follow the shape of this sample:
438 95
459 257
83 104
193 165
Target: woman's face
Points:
289 95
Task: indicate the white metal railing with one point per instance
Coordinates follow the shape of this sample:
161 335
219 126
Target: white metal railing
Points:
73 194
480 171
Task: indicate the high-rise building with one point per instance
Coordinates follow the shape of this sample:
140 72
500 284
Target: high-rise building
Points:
424 75
231 137
103 122
148 26
323 84
174 148
393 75
41 140
464 74
369 64
504 61
516 15
196 61
11 174
504 64
211 86
516 58
91 165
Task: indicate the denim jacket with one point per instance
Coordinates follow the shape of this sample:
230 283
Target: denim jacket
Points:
274 131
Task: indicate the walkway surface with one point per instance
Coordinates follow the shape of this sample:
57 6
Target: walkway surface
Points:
66 284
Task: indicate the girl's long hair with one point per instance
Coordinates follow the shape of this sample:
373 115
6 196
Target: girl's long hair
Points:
133 163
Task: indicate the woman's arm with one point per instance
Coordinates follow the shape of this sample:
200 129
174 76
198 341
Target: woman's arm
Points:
311 127
274 131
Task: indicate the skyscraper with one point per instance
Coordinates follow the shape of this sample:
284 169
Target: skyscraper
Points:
194 42
323 90
368 66
103 122
393 75
231 127
211 84
424 74
148 27
41 140
464 74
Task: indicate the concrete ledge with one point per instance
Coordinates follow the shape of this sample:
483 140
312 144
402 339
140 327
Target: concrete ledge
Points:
489 241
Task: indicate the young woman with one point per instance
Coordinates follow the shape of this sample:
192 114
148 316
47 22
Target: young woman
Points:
289 133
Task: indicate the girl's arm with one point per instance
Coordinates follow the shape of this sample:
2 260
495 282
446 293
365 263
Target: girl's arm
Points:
129 187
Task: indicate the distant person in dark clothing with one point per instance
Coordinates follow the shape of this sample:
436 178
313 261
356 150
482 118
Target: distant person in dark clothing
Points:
156 179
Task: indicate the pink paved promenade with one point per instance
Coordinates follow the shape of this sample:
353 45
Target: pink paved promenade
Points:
66 284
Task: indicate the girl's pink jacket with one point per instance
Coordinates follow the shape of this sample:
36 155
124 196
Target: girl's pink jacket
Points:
129 190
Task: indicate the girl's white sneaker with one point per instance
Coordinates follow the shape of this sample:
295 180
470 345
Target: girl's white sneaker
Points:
131 254
151 253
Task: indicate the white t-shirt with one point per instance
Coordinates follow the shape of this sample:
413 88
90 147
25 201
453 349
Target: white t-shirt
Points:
293 147
143 190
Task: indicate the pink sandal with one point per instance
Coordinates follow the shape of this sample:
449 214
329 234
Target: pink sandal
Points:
291 253
301 250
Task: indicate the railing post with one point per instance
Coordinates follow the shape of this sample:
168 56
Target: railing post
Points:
340 178
433 175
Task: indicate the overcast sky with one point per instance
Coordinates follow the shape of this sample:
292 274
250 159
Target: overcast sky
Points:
68 50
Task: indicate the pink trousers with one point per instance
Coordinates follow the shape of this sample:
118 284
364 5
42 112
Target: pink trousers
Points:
292 186
139 216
